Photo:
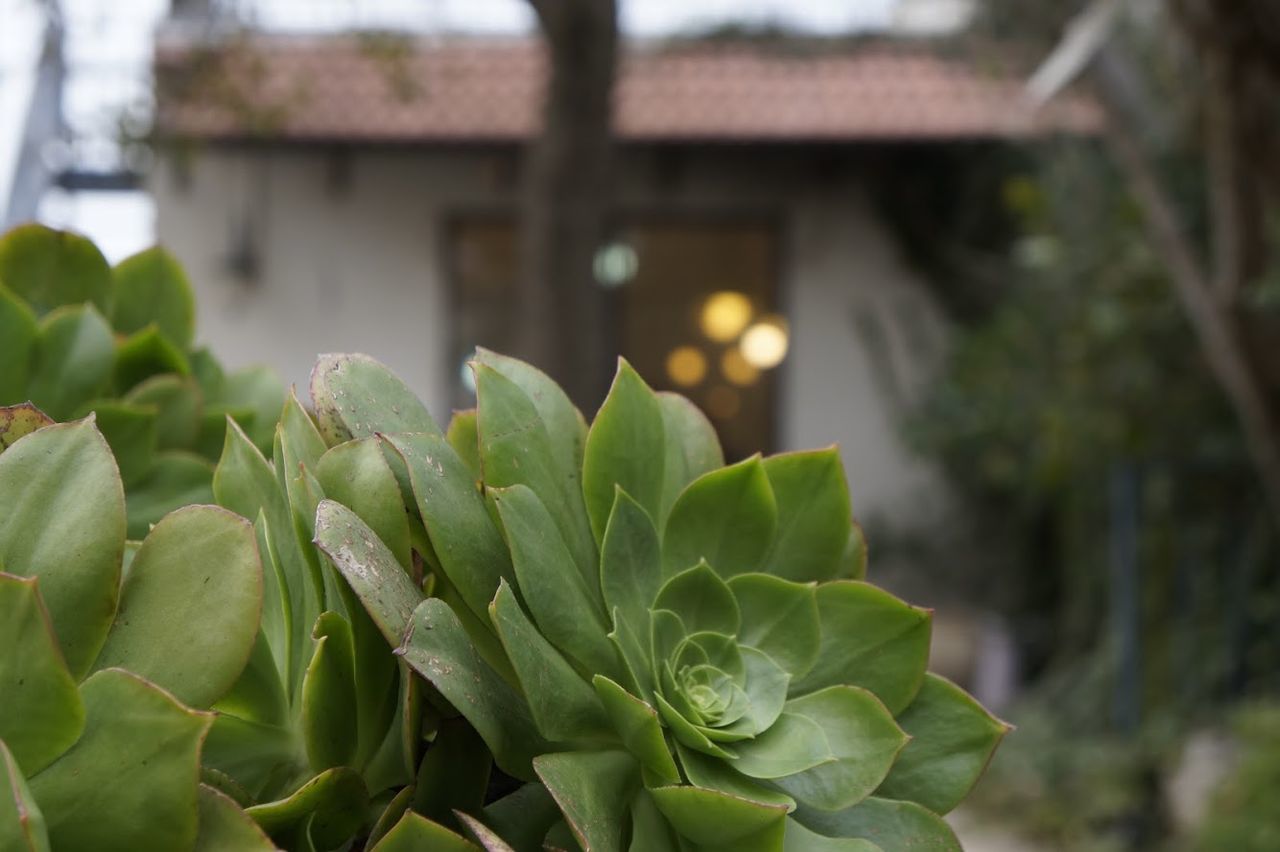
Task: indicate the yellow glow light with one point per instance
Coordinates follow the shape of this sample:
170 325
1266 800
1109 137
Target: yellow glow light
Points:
686 366
764 345
737 369
724 315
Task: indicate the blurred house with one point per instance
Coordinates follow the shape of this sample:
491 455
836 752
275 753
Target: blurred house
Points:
361 193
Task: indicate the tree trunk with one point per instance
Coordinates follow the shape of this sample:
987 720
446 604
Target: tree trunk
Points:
568 177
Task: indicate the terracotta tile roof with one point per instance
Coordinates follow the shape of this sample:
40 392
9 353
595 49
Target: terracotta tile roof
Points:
369 89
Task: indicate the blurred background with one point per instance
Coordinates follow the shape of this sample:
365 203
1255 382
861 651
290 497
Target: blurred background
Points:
1019 258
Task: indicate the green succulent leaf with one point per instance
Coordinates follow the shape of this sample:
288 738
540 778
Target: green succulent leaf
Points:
151 288
356 474
780 618
49 268
522 817
690 449
593 790
713 818
42 714
145 354
329 808
179 405
329 726
649 828
22 827
792 744
355 397
437 647
130 781
414 833
814 515
714 774
257 394
702 600
463 436
800 839
566 429
953 739
388 594
639 728
175 479
726 517
863 740
626 438
566 610
887 823
73 360
687 733
454 773
258 694
224 827
516 448
130 431
564 707
853 564
190 607
630 563
869 639
465 538
487 838
62 520
390 815
18 332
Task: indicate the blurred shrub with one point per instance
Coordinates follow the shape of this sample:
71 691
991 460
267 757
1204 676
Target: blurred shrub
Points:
1243 816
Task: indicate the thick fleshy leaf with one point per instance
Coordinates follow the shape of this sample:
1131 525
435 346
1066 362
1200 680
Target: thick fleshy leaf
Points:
715 774
869 639
356 396
691 448
630 563
454 773
702 600
471 550
18 330
329 695
73 359
22 827
356 474
780 618
151 288
257 391
953 739
713 818
390 815
257 757
437 647
130 781
649 828
565 609
853 564
130 431
465 439
258 695
17 421
224 827
863 738
565 426
388 594
726 517
522 818
636 723
687 733
766 688
50 268
41 715
625 441
62 520
484 835
593 789
814 516
800 839
792 744
887 823
176 479
189 609
414 833
516 448
145 354
563 705
330 807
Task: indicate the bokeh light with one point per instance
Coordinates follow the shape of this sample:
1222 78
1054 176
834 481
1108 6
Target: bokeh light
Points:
686 366
764 344
724 315
737 369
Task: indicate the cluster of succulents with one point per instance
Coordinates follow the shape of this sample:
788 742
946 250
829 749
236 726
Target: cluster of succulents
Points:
521 632
79 336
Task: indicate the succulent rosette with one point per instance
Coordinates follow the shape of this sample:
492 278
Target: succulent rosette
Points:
674 653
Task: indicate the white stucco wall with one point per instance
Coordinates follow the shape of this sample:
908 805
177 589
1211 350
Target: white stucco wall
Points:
353 264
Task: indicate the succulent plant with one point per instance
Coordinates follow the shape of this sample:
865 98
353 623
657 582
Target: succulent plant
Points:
77 335
673 653
111 652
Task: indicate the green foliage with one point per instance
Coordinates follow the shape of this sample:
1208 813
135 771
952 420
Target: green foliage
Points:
110 654
673 649
1242 812
78 336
